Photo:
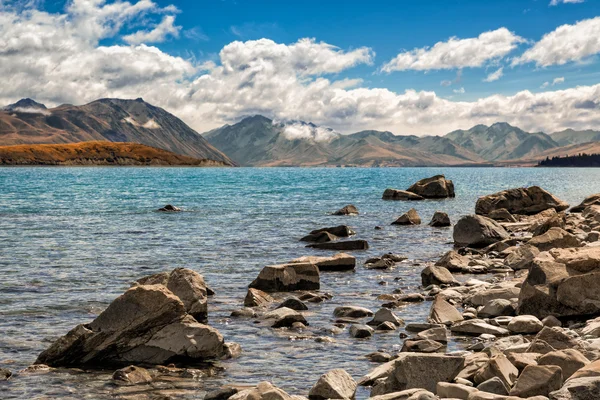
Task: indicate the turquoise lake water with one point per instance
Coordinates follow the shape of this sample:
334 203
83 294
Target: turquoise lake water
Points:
73 239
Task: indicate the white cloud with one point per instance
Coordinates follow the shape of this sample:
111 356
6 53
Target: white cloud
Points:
157 35
557 2
308 132
457 53
558 81
459 91
545 85
565 44
494 76
49 58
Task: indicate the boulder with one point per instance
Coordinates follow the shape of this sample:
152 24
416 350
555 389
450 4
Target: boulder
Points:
578 389
494 385
421 346
522 257
557 220
409 394
440 219
437 333
569 360
588 201
591 370
262 391
385 315
478 231
395 194
340 230
361 331
478 327
346 245
483 296
554 238
287 278
147 324
320 237
442 312
433 275
454 262
352 312
257 298
335 384
538 380
285 317
502 214
526 324
496 308
5 374
338 262
454 390
169 208
347 210
436 187
132 375
411 217
500 367
294 304
524 201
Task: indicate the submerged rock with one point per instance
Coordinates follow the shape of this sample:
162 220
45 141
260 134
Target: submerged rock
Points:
319 237
352 312
478 231
361 331
347 210
526 201
436 187
132 375
338 262
169 208
340 230
345 245
5 374
440 219
395 194
257 298
411 217
288 277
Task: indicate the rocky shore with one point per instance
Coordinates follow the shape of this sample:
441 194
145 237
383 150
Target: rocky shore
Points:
529 319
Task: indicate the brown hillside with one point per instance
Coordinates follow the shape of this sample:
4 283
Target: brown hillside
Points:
97 153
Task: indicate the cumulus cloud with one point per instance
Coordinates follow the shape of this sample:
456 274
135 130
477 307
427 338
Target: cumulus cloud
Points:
494 76
157 35
294 131
567 43
459 91
557 2
556 81
457 53
51 58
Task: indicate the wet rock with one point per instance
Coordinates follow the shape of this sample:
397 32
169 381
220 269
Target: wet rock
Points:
442 312
395 194
147 324
411 217
340 230
347 210
5 374
285 317
380 264
478 231
379 357
232 350
436 187
294 304
256 298
525 201
440 219
132 375
421 346
244 312
494 385
262 391
346 245
538 381
527 324
496 308
554 238
288 277
386 327
335 384
385 315
578 389
320 237
338 262
588 201
433 275
315 297
221 394
361 331
569 360
478 327
352 312
169 208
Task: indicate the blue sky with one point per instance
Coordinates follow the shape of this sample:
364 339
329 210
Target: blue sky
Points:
405 66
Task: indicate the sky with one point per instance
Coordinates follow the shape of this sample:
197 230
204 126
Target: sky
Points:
410 67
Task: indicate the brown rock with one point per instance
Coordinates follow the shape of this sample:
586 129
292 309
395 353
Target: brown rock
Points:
440 219
538 380
347 210
527 201
411 217
478 231
395 194
288 277
436 187
255 298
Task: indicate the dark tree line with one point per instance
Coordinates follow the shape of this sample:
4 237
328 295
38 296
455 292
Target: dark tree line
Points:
580 160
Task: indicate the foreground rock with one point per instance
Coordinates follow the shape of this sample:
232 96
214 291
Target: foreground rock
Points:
395 194
347 210
339 262
433 275
578 389
436 187
346 245
262 391
411 217
335 384
132 375
440 219
588 201
478 231
288 277
257 298
285 317
538 380
524 201
442 312
148 324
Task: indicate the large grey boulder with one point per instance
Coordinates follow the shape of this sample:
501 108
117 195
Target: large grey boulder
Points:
478 231
436 187
288 277
524 201
335 384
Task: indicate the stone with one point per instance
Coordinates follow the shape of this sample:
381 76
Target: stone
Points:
494 385
409 394
538 380
257 298
395 194
338 262
581 292
5 374
221 394
523 201
340 230
262 391
385 315
436 187
522 257
320 237
386 326
483 296
438 333
554 238
352 312
335 384
578 389
243 312
440 219
478 231
453 262
442 312
588 201
288 277
527 324
478 327
433 275
411 217
551 321
558 338
294 304
132 375
569 360
361 331
591 370
558 220
454 390
521 360
380 264
347 210
496 308
502 214
421 346
169 208
497 366
285 317
147 324
592 328
379 357
346 245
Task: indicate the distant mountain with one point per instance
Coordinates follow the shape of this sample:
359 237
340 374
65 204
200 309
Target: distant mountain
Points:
570 136
502 141
113 120
259 141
